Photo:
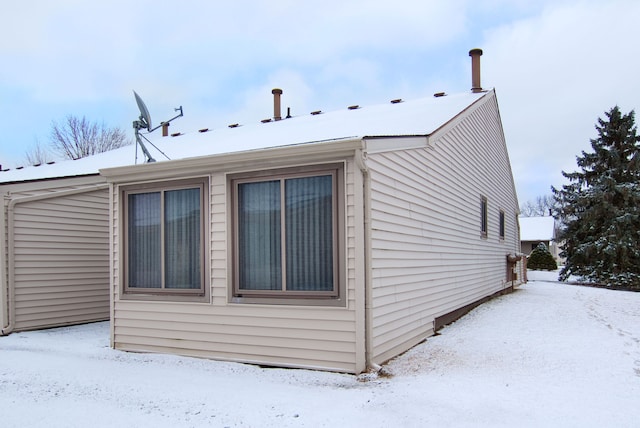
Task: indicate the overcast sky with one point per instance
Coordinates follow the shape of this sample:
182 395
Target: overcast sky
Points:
556 65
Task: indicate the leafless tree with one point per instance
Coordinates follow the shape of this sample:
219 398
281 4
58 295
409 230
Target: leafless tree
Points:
541 206
37 155
77 138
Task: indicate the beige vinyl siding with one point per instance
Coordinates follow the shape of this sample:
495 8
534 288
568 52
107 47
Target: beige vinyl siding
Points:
300 337
60 259
427 254
283 335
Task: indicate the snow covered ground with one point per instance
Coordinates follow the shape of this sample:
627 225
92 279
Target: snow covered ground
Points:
546 355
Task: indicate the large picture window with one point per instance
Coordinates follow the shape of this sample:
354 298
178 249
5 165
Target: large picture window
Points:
164 245
286 230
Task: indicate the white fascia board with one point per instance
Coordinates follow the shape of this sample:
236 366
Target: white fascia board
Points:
276 157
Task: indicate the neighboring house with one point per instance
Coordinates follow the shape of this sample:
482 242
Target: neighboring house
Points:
54 245
536 230
329 241
54 252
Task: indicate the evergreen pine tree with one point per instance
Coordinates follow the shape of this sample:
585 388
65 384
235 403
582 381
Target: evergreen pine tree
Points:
600 209
541 259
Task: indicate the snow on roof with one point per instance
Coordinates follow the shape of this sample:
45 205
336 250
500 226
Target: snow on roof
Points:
407 118
537 228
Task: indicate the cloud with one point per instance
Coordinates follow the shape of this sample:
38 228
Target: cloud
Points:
86 50
557 65
556 73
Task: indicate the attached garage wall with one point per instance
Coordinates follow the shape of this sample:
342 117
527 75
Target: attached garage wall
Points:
58 257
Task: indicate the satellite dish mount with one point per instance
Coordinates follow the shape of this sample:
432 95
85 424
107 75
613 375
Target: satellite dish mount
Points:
144 122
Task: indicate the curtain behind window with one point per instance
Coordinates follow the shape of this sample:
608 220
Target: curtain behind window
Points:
259 242
144 240
308 221
309 233
182 238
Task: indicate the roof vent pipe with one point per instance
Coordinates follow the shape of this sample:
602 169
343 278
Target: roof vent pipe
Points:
475 55
165 129
276 103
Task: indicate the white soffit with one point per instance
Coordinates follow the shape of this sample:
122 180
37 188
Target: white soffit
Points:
387 144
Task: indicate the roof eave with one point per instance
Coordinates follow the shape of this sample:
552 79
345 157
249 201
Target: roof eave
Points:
272 157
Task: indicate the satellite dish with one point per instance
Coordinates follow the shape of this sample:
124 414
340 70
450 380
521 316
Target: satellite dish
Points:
144 122
145 117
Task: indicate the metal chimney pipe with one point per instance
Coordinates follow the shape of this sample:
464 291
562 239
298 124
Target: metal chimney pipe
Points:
475 55
276 103
165 129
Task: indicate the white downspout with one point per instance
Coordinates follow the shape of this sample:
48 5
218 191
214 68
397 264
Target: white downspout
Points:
112 284
10 285
4 290
360 160
11 292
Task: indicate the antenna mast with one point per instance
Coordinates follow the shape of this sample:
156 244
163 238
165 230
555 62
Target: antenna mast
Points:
144 122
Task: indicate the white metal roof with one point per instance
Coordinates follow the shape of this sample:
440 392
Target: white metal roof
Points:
407 118
537 228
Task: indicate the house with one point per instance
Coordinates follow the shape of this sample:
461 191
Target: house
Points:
54 252
331 241
536 230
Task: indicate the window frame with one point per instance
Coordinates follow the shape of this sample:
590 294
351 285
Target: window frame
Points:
200 294
336 296
484 217
502 225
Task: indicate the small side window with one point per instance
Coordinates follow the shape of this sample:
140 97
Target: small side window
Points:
484 208
501 224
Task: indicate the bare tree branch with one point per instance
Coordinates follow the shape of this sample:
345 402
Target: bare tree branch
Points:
78 138
37 155
539 207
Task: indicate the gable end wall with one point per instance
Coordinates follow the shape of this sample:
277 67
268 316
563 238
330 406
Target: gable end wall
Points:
427 254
